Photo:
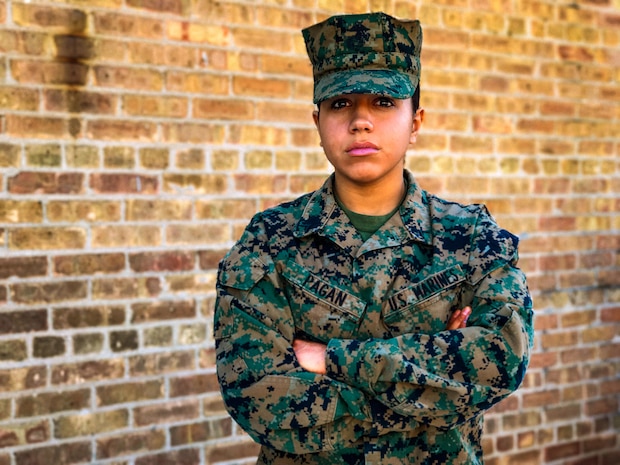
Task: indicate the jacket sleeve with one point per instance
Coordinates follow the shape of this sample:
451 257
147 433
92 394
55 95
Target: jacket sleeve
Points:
264 389
443 379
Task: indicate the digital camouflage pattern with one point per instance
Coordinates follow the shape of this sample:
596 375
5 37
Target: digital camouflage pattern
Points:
400 389
364 54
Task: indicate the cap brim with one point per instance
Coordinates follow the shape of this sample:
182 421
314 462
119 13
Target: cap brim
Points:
367 81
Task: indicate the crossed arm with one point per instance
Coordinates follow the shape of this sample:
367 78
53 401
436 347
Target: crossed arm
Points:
311 355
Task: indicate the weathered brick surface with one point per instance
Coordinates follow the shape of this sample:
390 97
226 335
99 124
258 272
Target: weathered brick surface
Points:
138 137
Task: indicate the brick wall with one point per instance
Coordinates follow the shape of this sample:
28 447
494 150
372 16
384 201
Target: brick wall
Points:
137 137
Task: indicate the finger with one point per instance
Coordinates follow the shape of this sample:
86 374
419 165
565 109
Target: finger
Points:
465 316
455 320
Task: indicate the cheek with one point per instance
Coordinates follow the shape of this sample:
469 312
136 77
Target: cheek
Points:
328 133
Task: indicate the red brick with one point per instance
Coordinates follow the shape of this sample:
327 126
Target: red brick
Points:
214 406
15 98
158 210
127 25
74 101
505 443
158 311
546 321
162 261
70 20
21 379
169 362
564 375
541 399
179 7
46 72
119 158
605 406
30 182
177 457
558 262
231 452
520 420
128 78
561 451
584 317
121 341
75 211
73 47
531 457
130 443
223 109
35 293
68 453
48 346
115 130
210 259
88 424
609 315
557 223
86 317
543 360
610 458
193 385
52 402
193 132
12 350
129 392
200 432
125 288
195 183
609 278
509 404
166 413
23 267
121 183
23 321
173 107
73 265
96 370
87 343
579 354
560 339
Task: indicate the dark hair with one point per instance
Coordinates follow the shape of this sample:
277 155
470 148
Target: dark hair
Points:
415 100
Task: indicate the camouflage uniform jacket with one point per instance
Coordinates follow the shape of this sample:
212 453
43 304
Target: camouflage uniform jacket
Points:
399 388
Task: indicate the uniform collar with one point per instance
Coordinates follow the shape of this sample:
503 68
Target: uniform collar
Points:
415 211
323 216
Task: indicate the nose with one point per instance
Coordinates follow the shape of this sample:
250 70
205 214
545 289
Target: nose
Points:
361 120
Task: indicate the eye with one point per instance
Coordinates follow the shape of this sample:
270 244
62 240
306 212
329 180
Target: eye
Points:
339 103
385 102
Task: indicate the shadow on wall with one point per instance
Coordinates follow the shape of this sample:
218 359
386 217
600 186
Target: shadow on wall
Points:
73 49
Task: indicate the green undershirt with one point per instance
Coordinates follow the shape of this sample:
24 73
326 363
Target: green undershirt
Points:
366 225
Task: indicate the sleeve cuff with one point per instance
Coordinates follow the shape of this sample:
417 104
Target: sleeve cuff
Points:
345 361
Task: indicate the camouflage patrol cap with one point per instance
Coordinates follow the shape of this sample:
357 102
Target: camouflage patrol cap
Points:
370 53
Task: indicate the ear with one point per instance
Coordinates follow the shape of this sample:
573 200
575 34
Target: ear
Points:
418 119
315 117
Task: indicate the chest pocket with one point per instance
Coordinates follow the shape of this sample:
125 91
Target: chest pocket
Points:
424 307
321 310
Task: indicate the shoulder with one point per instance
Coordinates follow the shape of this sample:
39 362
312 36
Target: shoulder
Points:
279 221
471 232
469 219
268 232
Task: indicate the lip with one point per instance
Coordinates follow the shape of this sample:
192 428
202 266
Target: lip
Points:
362 148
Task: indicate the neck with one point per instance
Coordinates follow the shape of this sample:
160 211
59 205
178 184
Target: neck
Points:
370 199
